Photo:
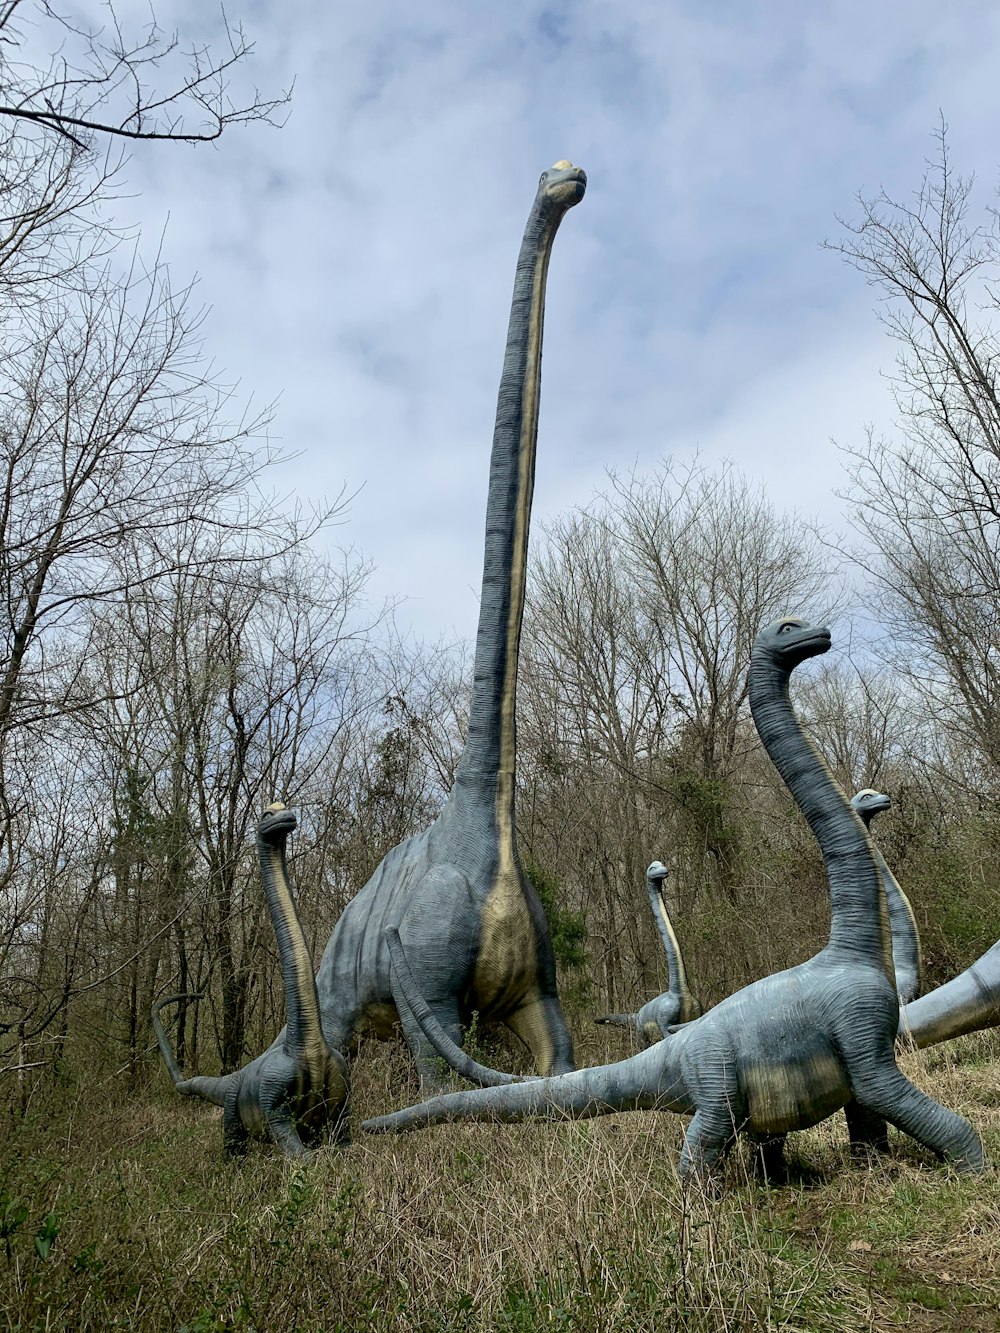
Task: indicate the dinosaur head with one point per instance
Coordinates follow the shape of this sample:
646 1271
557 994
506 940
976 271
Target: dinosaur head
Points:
657 871
563 185
868 803
790 641
276 823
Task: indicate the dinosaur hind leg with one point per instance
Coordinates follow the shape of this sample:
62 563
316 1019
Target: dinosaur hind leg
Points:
540 1025
867 1132
883 1090
431 1068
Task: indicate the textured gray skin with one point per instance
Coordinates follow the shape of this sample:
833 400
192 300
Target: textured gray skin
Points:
296 1092
906 958
676 1005
474 930
969 1002
788 1050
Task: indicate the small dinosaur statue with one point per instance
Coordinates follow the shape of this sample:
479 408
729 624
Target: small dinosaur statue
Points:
906 959
297 1090
676 1004
474 928
788 1050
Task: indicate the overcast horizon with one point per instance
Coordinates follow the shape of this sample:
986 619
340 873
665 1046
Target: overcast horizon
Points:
358 262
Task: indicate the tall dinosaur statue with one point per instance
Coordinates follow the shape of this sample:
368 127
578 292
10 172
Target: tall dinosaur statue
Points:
906 959
473 927
297 1090
676 1004
789 1050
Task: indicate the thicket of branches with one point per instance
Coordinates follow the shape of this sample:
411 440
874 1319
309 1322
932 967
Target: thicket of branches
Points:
176 653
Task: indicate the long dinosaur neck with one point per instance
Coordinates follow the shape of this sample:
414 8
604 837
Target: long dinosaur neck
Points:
676 976
304 1033
489 757
906 959
858 926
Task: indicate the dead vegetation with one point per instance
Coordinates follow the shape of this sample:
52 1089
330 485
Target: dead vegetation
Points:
118 1212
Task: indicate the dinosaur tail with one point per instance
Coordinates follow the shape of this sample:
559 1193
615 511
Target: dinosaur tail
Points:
209 1089
454 1055
629 1085
969 1002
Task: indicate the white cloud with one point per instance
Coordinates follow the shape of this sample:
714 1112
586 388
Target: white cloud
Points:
359 261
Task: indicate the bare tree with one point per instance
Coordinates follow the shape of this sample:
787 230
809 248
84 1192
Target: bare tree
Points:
104 81
928 502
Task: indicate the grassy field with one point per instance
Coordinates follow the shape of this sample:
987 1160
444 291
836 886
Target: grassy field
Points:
122 1213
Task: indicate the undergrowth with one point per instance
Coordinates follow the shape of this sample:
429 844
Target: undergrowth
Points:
120 1212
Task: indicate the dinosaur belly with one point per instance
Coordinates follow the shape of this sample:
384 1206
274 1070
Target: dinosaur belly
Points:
507 965
781 1095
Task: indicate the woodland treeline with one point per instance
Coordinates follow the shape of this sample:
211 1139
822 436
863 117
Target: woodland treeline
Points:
179 650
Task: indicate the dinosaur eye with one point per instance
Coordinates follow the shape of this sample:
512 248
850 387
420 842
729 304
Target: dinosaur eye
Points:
787 626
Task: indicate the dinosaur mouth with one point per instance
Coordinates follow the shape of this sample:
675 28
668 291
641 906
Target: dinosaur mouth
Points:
571 185
279 821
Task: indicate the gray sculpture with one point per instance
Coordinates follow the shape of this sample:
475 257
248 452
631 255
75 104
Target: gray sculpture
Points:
676 1004
790 1049
906 959
473 927
297 1090
969 1002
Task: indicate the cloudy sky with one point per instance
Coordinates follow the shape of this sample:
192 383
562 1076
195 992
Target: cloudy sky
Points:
358 262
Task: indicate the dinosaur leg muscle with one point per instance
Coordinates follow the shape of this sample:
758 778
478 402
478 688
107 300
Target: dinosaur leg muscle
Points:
885 1091
709 1137
866 1131
539 1024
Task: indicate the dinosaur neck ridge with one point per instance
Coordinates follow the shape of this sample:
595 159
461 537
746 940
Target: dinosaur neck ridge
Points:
676 976
303 1032
489 756
858 926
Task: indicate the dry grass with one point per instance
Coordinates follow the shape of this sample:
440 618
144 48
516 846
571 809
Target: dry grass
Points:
571 1226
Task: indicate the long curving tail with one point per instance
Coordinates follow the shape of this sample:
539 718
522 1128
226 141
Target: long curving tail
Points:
906 959
969 1002
460 1061
629 1085
208 1088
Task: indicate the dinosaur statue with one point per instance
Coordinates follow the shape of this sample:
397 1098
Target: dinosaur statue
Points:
474 929
906 959
676 1004
788 1050
296 1090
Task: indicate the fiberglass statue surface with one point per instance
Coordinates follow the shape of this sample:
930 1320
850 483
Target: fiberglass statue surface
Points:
296 1092
786 1051
676 1005
472 925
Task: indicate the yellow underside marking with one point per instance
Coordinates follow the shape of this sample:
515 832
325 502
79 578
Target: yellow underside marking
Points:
781 1097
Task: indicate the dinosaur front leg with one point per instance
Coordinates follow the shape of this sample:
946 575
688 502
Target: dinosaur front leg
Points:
709 1137
234 1132
432 1069
883 1090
